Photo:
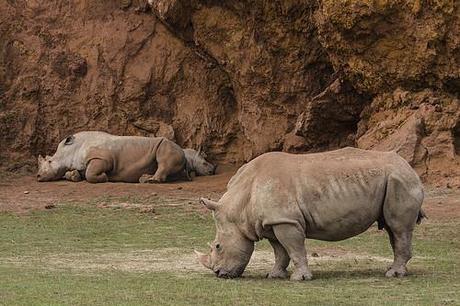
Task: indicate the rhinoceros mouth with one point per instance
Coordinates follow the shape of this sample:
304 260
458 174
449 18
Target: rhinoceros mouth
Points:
43 178
226 275
220 273
47 178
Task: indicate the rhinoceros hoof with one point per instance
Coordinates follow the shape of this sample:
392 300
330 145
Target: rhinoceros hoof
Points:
278 274
396 272
301 276
144 179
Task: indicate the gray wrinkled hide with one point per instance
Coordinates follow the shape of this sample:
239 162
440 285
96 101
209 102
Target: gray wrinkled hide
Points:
327 196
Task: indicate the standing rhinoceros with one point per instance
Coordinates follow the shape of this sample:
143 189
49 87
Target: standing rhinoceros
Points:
102 157
326 196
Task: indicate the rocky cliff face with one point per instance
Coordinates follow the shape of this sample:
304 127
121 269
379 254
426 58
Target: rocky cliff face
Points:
238 78
405 56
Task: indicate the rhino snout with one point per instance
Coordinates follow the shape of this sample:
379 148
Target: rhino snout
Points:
223 274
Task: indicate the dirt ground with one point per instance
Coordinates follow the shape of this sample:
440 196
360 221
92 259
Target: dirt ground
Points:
23 193
20 194
58 258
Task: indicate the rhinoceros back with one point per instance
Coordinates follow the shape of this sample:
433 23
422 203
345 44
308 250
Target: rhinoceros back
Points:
332 195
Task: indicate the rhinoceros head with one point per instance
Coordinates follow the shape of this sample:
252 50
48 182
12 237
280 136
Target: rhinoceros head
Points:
230 251
52 168
48 169
198 163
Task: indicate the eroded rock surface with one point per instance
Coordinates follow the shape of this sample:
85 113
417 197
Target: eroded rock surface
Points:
238 78
422 127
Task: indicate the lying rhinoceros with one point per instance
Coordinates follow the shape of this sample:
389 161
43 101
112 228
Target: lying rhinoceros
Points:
197 163
102 157
326 196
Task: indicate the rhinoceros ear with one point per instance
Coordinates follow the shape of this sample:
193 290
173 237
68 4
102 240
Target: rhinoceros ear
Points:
69 140
204 259
211 205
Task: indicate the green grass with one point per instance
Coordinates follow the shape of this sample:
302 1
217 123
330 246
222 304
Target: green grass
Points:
64 256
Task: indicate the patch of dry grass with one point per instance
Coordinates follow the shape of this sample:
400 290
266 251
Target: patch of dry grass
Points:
102 252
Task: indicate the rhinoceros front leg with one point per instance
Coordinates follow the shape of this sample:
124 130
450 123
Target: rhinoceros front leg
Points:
281 261
293 241
73 176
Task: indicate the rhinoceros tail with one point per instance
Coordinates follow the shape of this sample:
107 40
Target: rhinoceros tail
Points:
421 215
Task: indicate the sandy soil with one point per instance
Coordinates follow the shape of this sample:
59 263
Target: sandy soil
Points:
167 260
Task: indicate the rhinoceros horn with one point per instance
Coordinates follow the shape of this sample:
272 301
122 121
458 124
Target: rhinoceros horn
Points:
211 205
40 159
204 259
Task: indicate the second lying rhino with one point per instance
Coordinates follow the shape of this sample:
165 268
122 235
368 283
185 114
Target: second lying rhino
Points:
103 157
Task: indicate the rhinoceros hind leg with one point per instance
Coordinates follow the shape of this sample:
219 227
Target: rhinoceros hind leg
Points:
99 178
161 174
281 261
403 200
165 169
293 241
170 160
159 177
402 249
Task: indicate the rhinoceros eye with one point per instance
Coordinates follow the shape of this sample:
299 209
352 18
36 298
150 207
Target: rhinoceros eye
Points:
217 246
